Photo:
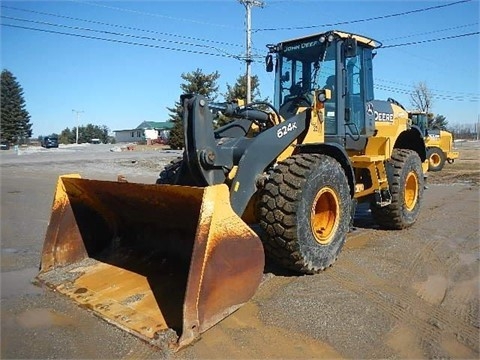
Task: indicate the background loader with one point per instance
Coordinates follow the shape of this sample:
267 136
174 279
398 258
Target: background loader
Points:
167 261
439 143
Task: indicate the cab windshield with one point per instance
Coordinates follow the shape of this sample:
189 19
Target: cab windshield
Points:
420 120
304 66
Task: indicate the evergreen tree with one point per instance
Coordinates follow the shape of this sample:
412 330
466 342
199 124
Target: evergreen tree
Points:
239 92
67 136
176 137
15 120
85 134
437 122
195 82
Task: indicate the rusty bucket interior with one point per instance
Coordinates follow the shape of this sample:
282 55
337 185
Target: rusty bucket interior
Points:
163 262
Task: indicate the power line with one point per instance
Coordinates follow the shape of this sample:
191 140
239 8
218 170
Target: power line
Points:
435 90
366 19
225 54
430 40
120 26
430 32
180 43
120 41
433 95
155 15
109 32
227 43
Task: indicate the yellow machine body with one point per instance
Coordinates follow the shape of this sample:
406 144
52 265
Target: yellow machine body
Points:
443 141
439 143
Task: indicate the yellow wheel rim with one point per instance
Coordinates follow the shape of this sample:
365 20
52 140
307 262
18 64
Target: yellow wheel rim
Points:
411 190
435 160
324 217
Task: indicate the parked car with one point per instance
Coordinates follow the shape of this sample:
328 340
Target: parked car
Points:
4 145
50 142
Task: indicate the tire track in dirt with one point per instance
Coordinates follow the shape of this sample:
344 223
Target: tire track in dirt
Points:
441 263
443 258
439 260
466 286
435 256
430 321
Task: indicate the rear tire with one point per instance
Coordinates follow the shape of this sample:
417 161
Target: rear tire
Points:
436 159
304 211
405 176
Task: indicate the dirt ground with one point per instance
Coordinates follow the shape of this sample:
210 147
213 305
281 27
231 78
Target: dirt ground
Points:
411 294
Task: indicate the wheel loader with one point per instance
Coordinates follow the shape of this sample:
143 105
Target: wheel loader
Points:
439 143
167 261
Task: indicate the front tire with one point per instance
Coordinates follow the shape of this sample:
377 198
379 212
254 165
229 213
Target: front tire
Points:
436 159
304 211
405 176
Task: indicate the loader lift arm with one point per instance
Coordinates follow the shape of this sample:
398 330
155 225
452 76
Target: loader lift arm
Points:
208 160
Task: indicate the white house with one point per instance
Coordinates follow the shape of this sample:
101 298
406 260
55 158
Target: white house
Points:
147 130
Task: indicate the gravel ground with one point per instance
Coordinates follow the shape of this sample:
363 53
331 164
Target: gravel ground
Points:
391 294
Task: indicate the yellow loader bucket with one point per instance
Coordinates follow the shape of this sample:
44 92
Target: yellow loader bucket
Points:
162 262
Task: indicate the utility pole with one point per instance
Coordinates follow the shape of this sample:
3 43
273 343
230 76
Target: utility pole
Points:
78 122
248 57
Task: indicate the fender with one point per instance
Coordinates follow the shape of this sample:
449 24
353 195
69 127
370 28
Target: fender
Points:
412 139
338 153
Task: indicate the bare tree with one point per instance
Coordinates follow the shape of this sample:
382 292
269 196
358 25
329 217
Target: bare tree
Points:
465 131
421 97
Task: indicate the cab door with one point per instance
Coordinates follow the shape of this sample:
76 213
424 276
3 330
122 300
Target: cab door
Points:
359 121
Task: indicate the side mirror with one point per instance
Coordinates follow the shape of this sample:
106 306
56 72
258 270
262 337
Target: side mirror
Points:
269 63
350 47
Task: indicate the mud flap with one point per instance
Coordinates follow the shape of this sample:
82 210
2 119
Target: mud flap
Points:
162 262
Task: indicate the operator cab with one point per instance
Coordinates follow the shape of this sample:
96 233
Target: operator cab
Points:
336 61
419 119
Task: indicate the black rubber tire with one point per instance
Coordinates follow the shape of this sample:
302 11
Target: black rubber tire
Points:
404 165
436 159
286 206
169 174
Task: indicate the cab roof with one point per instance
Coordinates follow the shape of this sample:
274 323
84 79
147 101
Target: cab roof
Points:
343 35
